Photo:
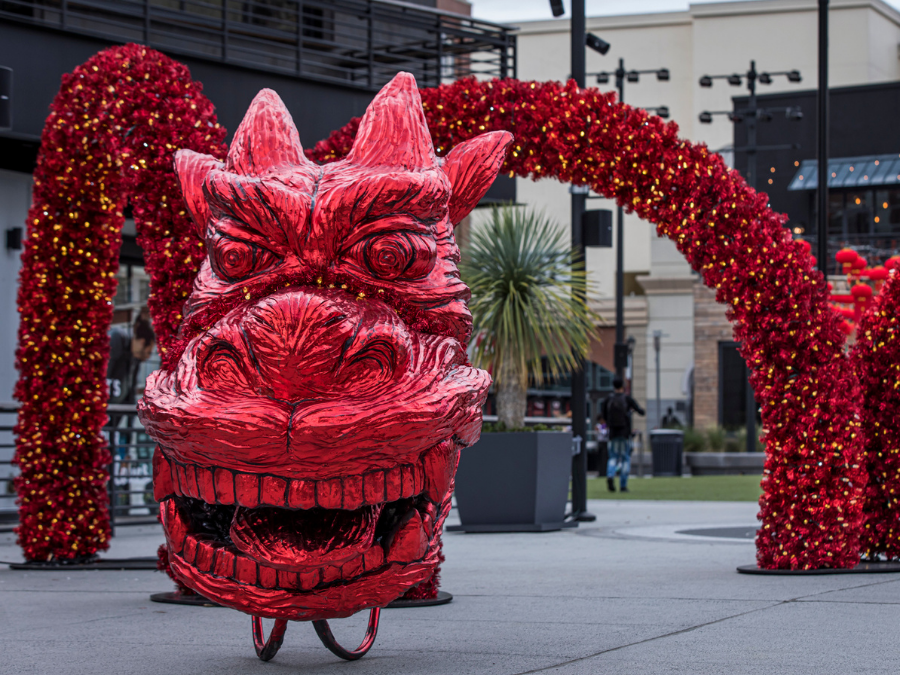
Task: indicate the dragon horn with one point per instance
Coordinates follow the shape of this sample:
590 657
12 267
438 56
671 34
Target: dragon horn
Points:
267 138
393 132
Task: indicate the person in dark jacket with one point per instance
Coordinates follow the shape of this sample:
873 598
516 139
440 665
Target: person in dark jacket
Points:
616 412
126 353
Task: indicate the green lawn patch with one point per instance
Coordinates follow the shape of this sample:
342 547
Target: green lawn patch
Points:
697 488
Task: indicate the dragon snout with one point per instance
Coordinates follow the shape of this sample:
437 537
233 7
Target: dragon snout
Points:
302 344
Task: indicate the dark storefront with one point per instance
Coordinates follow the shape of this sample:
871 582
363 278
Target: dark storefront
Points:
324 58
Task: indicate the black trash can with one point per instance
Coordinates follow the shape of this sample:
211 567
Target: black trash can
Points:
667 447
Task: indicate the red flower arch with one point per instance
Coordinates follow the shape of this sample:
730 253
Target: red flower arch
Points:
109 140
812 506
876 358
109 136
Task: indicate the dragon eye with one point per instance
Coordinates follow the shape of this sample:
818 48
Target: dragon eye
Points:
399 254
234 260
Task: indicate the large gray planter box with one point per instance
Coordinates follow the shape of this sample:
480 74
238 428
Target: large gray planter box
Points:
514 482
725 463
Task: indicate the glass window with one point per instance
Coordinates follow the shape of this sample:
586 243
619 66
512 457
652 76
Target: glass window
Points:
121 296
836 214
883 213
859 212
893 209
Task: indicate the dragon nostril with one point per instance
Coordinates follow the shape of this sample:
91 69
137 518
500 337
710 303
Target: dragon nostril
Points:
377 355
222 365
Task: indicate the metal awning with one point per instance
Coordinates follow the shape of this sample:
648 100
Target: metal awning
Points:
850 172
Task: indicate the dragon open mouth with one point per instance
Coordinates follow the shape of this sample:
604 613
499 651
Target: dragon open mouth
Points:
303 536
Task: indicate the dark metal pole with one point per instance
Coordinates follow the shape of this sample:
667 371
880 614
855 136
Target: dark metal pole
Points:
752 119
657 340
822 145
620 248
579 393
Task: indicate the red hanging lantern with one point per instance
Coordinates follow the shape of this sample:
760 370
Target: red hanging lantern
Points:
878 275
862 294
846 257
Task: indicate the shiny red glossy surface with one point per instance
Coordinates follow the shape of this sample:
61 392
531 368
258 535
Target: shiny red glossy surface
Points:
309 435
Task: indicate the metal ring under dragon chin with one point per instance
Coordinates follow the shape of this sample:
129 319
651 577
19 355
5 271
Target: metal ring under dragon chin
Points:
327 638
266 649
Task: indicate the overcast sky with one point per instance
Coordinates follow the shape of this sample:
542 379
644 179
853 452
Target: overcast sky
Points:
509 11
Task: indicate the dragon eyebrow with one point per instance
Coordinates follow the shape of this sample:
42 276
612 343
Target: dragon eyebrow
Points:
237 229
423 196
254 205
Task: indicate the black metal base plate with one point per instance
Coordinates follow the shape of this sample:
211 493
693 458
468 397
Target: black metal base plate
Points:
99 564
442 599
176 598
862 568
523 527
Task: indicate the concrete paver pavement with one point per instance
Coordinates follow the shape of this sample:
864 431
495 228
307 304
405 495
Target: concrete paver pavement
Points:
625 594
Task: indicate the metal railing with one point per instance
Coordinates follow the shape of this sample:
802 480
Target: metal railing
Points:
131 499
356 43
130 473
8 514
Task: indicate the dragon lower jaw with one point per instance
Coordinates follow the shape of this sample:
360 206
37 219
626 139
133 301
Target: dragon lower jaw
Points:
281 561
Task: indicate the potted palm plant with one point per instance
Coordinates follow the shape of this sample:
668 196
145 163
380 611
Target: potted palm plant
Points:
528 307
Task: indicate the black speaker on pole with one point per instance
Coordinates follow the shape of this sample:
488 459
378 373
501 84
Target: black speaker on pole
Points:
596 228
5 97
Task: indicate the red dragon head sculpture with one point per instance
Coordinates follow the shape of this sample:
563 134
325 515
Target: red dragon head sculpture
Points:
309 435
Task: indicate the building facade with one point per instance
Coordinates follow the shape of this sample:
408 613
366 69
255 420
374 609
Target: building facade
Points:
662 292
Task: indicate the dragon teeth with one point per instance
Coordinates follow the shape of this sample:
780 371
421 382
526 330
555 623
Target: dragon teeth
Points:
221 560
223 486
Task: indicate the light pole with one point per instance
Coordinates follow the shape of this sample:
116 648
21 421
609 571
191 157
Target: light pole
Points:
620 353
657 340
752 114
579 39
822 143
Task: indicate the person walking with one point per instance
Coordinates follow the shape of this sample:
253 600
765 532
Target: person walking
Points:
616 412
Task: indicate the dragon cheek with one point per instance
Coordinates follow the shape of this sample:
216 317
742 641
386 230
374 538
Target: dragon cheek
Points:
175 527
162 477
440 467
410 542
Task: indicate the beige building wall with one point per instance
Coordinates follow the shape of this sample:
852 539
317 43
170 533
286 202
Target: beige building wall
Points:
713 39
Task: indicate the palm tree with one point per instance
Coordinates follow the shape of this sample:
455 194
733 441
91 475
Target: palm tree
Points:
528 302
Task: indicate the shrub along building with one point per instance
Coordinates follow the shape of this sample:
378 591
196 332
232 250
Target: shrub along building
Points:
325 58
701 375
